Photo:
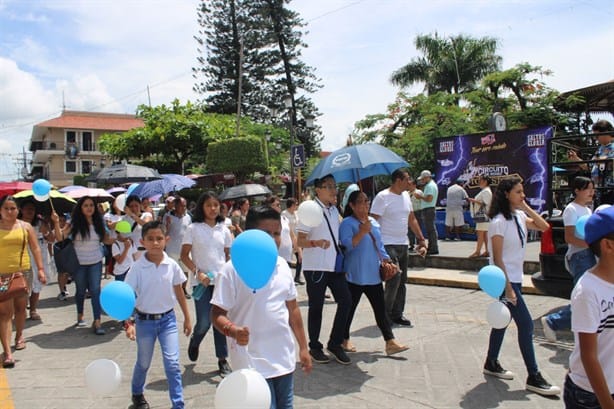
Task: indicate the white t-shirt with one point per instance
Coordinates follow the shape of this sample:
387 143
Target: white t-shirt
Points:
176 229
271 347
316 258
393 211
571 214
208 244
513 250
117 248
154 285
137 230
292 218
592 307
484 196
455 198
285 248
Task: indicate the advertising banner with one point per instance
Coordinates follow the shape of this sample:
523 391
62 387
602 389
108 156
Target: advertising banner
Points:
520 153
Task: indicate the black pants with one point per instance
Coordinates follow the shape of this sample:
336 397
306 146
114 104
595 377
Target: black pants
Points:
375 295
428 215
297 268
317 281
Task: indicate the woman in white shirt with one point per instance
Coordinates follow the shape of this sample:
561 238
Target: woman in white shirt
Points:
480 205
510 216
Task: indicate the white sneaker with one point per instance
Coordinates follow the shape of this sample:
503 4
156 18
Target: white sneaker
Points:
549 333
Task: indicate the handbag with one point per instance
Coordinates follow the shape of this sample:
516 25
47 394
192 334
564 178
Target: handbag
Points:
480 215
387 270
14 285
65 256
339 260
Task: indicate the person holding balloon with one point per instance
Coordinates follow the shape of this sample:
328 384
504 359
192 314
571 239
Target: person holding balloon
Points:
137 218
579 257
255 306
205 248
510 218
122 250
157 281
88 233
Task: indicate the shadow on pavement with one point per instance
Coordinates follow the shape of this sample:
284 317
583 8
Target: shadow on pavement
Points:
490 394
76 337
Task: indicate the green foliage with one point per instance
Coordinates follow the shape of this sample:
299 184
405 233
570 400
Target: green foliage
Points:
241 156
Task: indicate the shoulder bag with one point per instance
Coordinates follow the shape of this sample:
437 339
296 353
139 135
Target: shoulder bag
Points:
387 270
339 267
14 285
65 256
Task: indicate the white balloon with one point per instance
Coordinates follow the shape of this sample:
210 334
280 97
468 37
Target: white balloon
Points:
120 202
102 377
243 389
498 315
310 213
41 198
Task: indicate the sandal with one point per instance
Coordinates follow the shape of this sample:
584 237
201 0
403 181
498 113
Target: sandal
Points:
34 316
7 362
474 255
20 344
348 346
485 254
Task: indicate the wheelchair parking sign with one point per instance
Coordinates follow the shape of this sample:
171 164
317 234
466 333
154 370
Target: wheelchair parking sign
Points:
297 156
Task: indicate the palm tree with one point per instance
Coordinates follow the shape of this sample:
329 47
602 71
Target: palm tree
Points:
452 64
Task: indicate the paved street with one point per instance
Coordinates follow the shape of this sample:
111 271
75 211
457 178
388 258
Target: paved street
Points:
441 370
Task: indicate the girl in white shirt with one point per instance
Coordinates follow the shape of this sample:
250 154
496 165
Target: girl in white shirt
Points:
510 217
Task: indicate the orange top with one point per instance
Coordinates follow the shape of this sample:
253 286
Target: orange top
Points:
14 256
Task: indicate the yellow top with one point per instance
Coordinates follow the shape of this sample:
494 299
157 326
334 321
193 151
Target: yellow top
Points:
11 245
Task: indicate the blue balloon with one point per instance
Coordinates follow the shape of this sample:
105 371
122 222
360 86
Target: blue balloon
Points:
117 299
492 280
41 187
580 225
254 255
131 189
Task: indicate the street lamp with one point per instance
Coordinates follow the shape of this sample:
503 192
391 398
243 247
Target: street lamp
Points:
267 138
288 104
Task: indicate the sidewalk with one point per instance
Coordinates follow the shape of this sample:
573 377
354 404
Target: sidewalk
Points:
442 369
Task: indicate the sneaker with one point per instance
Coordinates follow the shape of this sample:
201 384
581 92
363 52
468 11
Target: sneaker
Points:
139 402
456 239
224 368
81 324
192 350
340 355
536 383
549 333
63 296
319 356
494 368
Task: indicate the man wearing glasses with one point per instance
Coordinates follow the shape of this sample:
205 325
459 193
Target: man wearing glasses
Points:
320 248
392 209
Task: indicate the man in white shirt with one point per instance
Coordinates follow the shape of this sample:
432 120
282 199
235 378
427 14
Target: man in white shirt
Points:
456 199
392 209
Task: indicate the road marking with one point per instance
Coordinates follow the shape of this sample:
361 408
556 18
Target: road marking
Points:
6 400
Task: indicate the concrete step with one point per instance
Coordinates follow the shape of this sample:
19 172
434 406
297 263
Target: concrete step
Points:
462 263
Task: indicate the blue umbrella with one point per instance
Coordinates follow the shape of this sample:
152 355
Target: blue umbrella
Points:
356 162
169 183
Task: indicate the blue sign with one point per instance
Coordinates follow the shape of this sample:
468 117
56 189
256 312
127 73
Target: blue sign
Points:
297 156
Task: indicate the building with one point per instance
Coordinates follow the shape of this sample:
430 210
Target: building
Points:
67 146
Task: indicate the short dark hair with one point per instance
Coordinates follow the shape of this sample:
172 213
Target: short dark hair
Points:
348 211
602 126
486 179
152 225
291 202
258 213
319 182
581 183
399 174
596 245
133 198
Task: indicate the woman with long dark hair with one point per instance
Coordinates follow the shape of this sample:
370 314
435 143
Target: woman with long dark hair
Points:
204 251
510 216
364 251
88 233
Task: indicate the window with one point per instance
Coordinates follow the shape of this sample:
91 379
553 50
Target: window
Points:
86 167
88 141
70 166
71 137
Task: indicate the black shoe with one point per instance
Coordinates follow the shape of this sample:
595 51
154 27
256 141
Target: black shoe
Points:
192 350
494 368
536 383
299 282
224 368
319 356
139 402
339 355
403 321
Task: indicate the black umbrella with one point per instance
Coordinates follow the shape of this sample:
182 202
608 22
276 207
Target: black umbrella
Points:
248 190
124 173
61 202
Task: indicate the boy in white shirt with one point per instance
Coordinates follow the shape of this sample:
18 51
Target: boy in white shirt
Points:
265 319
590 381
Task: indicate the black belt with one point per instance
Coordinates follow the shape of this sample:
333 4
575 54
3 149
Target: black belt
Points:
143 316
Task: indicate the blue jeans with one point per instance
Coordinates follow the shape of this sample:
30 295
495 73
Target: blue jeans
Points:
88 277
317 281
203 323
578 398
394 289
165 330
578 263
282 391
524 322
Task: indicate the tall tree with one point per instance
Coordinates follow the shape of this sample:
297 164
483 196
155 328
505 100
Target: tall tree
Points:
452 64
250 50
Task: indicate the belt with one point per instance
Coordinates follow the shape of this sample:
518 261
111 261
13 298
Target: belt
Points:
149 317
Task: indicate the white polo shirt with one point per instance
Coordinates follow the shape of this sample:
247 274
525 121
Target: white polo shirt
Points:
208 244
393 211
154 285
264 312
316 258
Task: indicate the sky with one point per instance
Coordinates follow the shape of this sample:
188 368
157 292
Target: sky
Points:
112 55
